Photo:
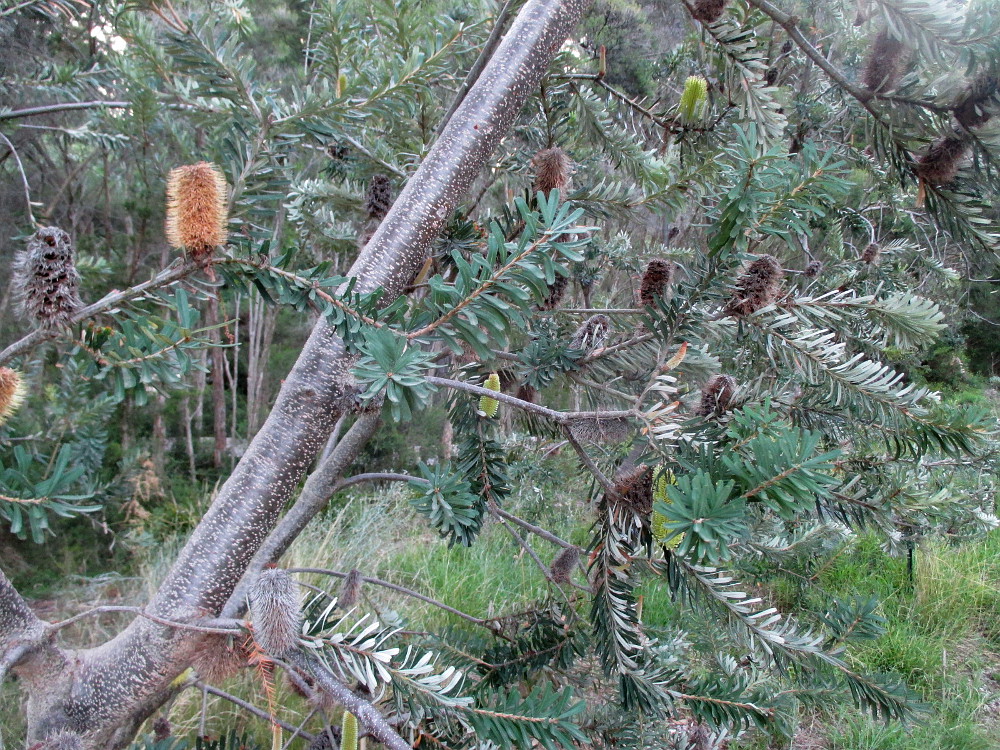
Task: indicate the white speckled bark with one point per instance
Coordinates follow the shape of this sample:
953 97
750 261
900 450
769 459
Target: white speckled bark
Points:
106 692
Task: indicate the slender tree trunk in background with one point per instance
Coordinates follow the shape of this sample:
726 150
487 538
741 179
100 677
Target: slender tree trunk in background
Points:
159 434
218 357
105 693
188 435
260 334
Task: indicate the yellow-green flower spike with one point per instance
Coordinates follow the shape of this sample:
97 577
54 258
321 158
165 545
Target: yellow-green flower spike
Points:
694 98
490 406
349 732
658 523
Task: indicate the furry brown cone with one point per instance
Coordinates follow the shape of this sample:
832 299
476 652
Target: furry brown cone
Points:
886 63
635 487
656 281
757 287
45 279
708 11
971 109
591 334
161 729
552 170
717 395
871 253
218 658
556 291
196 209
379 199
563 566
276 611
939 165
813 269
598 430
350 592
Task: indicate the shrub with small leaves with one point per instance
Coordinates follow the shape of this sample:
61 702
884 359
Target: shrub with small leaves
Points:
45 279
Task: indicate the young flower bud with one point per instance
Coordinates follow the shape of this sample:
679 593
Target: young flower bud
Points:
693 99
658 523
758 287
196 209
350 592
552 171
490 406
275 611
561 569
349 732
46 280
656 281
12 392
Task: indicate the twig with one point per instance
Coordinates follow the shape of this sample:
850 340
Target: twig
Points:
214 627
588 461
259 712
536 530
64 107
24 179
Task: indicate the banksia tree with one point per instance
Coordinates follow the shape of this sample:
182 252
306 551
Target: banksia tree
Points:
757 287
12 392
45 279
656 281
276 612
196 209
379 198
886 63
717 395
552 168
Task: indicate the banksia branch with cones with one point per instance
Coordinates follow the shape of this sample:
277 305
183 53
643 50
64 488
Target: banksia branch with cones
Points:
196 209
46 280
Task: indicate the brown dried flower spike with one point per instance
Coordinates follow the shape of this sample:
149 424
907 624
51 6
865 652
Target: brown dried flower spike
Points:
708 11
656 281
11 392
886 63
758 287
552 170
196 209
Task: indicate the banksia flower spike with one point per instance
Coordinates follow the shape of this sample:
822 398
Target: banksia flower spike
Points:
490 406
939 165
886 63
708 11
972 108
12 392
656 281
351 590
693 99
561 569
813 269
591 334
556 291
871 253
162 729
552 171
379 199
46 279
658 524
758 287
349 732
196 209
717 395
218 658
635 488
599 430
276 612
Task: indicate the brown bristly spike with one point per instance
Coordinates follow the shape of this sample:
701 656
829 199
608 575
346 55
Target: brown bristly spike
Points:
552 171
162 729
196 209
276 611
46 282
708 11
813 269
561 569
972 108
886 63
527 393
656 281
379 199
871 253
556 291
350 592
219 657
757 287
599 430
591 334
635 489
61 740
939 164
717 395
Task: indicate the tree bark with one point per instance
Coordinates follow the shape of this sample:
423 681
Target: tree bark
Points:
111 689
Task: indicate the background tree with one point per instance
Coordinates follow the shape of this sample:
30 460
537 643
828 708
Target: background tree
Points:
708 262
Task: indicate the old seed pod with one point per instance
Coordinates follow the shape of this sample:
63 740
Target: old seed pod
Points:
757 287
46 280
591 334
599 429
556 291
813 269
350 592
886 63
708 11
972 108
939 165
656 281
561 569
717 395
871 253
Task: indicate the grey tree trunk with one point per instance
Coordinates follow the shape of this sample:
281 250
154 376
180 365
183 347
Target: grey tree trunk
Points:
105 693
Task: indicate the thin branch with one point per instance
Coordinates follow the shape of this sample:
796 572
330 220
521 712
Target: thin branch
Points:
377 477
259 712
536 530
65 107
215 626
589 462
24 178
393 587
165 277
